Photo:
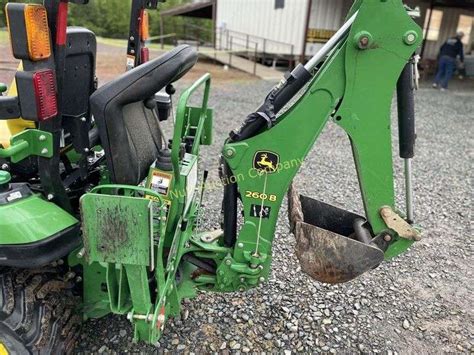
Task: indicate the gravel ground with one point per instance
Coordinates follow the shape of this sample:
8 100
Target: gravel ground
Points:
420 302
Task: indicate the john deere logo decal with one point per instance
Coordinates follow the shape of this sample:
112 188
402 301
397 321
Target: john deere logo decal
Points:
266 161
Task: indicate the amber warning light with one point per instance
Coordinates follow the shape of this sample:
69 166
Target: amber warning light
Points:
29 31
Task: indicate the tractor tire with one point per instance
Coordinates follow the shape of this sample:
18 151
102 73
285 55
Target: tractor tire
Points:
38 312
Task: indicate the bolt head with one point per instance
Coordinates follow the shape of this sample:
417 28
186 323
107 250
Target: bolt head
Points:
229 152
363 42
228 262
44 151
42 138
83 119
241 289
410 37
387 237
5 167
261 279
50 197
86 150
240 245
242 279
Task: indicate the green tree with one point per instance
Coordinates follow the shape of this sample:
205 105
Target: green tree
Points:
111 18
3 19
106 18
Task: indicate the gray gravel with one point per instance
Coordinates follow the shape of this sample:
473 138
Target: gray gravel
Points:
420 302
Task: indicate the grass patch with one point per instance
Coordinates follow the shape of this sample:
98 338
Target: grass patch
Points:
112 41
3 37
122 43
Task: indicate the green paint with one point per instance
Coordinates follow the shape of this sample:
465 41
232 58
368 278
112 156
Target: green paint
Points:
201 127
5 177
95 299
23 221
117 228
28 143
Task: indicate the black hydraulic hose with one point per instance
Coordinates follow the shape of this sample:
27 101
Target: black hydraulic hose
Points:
406 112
229 207
274 102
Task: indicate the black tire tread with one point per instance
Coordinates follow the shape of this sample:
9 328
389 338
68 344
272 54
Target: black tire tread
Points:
38 309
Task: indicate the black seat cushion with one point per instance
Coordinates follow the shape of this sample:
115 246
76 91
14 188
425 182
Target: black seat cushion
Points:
128 131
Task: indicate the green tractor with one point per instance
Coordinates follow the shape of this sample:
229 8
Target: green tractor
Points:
99 213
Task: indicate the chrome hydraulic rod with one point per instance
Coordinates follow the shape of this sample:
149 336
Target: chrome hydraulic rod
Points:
406 129
329 45
409 190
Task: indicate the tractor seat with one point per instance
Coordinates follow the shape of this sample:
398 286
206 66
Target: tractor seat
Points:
129 132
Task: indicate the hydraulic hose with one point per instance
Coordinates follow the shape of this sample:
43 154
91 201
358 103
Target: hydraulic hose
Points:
286 90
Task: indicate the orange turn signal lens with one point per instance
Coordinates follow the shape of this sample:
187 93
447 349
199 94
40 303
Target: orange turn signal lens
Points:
37 32
144 26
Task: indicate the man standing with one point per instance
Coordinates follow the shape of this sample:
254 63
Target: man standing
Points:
448 53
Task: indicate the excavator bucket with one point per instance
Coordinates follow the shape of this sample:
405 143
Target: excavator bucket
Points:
326 240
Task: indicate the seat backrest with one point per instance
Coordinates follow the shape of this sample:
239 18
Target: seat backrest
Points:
79 84
129 132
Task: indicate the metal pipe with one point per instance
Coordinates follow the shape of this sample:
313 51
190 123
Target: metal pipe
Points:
255 60
305 34
329 45
409 190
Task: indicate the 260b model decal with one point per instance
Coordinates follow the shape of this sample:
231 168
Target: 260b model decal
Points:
260 196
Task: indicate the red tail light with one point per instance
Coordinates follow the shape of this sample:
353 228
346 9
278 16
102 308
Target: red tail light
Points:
45 94
144 55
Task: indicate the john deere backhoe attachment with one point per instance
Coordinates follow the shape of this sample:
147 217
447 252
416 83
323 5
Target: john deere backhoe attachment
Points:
353 88
123 202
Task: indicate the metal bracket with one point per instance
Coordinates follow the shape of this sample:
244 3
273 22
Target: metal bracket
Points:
212 236
27 143
398 224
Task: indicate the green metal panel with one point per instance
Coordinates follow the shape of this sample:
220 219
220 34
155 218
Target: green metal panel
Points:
95 300
365 110
32 219
117 229
5 177
203 126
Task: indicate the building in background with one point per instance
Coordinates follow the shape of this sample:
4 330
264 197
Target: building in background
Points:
298 28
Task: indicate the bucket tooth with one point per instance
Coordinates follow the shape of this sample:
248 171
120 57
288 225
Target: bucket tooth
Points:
326 244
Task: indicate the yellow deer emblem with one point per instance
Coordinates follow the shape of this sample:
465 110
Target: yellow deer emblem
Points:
265 164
